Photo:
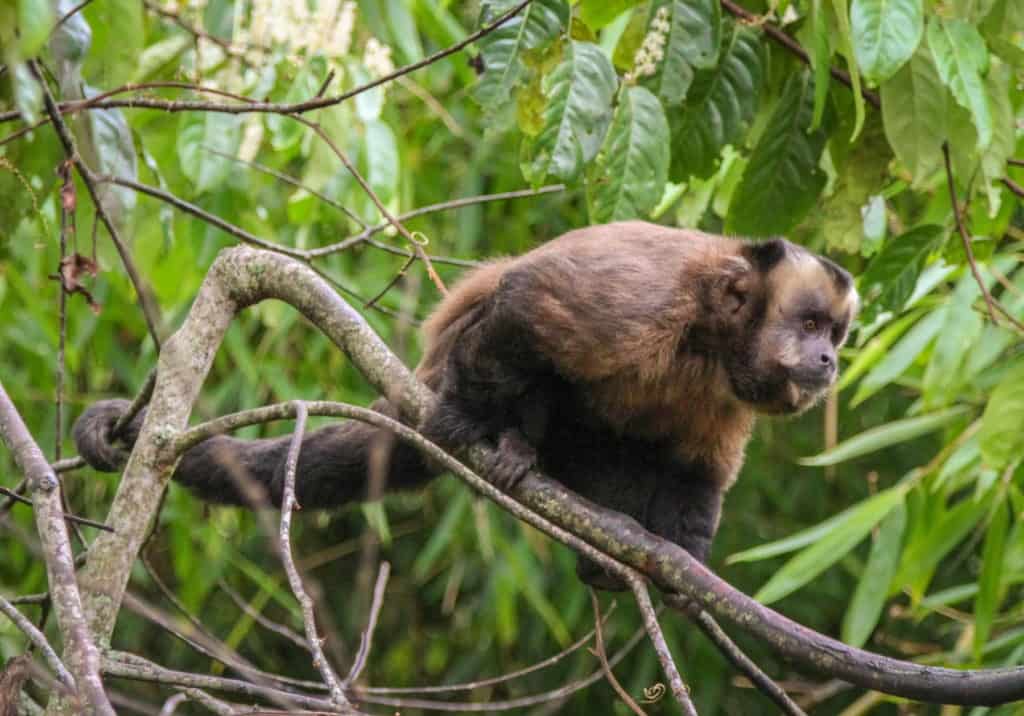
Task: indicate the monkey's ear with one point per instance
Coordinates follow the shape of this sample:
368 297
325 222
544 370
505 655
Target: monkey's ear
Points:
763 255
735 284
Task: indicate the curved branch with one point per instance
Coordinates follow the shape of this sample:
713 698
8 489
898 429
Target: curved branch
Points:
241 276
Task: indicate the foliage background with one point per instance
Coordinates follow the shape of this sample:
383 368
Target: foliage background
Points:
725 130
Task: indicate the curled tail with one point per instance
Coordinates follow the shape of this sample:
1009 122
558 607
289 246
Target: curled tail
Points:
335 465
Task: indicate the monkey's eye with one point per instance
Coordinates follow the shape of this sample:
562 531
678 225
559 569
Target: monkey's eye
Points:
810 325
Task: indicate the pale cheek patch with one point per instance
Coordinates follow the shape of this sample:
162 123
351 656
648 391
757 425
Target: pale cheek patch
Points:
789 352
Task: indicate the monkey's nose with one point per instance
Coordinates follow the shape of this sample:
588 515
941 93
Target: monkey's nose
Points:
828 361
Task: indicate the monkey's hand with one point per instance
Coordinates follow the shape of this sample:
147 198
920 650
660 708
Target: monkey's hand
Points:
93 435
513 458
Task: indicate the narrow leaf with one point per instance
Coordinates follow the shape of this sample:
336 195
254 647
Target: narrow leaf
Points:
1002 424
807 536
901 357
821 555
869 598
990 582
894 271
883 436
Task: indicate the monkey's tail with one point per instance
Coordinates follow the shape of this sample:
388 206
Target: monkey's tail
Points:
336 465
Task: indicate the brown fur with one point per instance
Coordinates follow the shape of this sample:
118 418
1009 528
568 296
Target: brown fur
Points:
627 360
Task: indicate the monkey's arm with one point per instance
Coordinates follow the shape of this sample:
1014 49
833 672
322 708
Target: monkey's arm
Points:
334 465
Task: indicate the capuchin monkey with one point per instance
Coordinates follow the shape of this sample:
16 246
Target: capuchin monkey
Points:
627 361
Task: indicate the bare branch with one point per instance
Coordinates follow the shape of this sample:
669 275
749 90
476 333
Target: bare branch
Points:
964 236
602 656
643 600
38 640
80 652
288 504
366 641
735 655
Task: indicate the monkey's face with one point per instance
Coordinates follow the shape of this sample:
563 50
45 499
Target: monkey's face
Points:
794 334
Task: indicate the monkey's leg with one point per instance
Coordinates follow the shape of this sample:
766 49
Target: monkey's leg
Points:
493 389
685 509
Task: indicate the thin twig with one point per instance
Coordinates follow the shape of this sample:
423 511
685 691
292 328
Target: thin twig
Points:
1013 186
417 245
288 504
69 14
366 640
39 641
675 681
171 704
602 655
259 618
964 236
743 663
11 494
493 680
149 311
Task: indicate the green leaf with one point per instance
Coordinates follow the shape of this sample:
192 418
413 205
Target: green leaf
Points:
598 13
883 436
404 31
803 537
962 59
896 361
285 132
822 60
894 271
442 535
579 94
202 130
118 28
944 376
990 582
502 49
720 107
629 174
1004 136
916 113
28 96
35 19
869 598
875 350
885 35
382 160
690 43
845 46
831 547
1002 423
923 554
782 180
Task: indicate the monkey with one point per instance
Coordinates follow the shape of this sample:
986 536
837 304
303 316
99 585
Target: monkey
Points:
626 360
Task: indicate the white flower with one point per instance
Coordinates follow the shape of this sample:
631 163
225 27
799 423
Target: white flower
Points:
377 58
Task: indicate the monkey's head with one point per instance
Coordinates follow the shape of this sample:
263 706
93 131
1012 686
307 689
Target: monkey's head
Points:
788 312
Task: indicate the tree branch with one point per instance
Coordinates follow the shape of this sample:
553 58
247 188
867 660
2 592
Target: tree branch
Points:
80 651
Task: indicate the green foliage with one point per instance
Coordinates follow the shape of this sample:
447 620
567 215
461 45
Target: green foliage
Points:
661 110
885 35
629 174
